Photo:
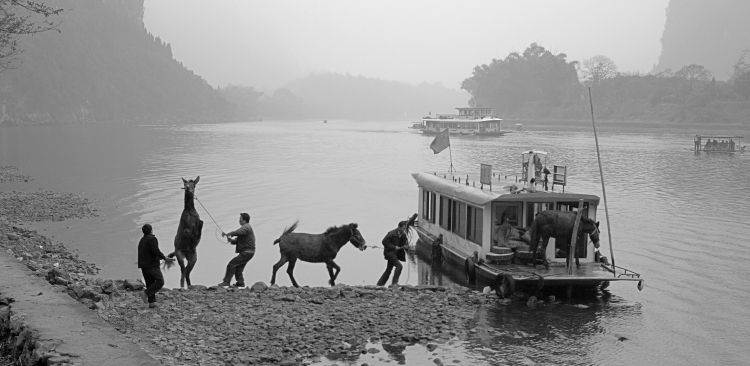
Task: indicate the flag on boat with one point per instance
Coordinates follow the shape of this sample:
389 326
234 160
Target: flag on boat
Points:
441 141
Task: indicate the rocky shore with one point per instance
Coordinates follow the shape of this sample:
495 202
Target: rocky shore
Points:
219 326
12 174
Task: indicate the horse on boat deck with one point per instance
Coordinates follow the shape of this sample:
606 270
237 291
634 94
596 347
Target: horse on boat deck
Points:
559 225
315 248
188 233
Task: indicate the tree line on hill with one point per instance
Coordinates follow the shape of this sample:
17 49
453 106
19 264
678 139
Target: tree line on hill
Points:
94 61
540 85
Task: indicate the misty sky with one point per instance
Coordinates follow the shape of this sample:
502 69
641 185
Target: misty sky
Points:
267 43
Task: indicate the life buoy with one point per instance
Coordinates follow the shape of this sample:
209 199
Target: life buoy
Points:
469 270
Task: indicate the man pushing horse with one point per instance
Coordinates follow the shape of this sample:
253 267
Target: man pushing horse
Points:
245 242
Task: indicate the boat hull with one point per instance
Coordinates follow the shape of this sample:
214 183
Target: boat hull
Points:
591 275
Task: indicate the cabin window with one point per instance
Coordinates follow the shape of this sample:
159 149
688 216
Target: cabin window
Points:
426 209
433 200
573 206
458 219
474 217
445 212
532 209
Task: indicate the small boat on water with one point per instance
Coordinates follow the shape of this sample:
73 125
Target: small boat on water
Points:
325 121
469 215
519 127
468 121
417 126
718 144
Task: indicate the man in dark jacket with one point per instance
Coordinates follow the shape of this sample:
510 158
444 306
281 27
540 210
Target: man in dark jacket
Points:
245 242
394 241
149 256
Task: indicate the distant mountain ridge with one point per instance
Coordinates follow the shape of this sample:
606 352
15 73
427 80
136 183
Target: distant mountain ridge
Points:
708 33
103 66
331 95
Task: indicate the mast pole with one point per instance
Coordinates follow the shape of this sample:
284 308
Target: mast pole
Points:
451 169
604 191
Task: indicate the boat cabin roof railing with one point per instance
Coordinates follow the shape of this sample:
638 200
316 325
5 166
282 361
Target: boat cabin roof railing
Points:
477 196
538 152
720 137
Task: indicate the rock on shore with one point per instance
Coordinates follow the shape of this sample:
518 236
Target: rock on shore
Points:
12 174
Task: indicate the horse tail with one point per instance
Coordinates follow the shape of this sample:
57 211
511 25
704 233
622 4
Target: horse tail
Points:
287 230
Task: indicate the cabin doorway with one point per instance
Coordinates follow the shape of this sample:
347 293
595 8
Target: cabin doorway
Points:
505 220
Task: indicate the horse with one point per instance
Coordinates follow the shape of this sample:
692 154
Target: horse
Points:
188 233
559 225
315 248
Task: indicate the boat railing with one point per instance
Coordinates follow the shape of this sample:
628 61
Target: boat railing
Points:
626 272
464 117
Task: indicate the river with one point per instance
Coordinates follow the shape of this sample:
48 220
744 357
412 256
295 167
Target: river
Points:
678 218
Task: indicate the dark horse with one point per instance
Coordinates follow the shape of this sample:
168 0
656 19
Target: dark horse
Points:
188 233
559 225
315 248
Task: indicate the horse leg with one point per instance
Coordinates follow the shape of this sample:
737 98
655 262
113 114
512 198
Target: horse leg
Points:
192 257
290 271
331 266
278 265
545 241
180 260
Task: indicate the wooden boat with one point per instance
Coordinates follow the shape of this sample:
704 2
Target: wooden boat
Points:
721 144
468 121
467 213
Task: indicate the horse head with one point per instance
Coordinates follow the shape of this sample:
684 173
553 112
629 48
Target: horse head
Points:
356 237
189 185
592 228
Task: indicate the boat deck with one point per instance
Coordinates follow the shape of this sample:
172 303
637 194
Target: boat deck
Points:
590 274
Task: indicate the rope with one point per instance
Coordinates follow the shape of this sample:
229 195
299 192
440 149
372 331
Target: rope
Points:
209 214
212 219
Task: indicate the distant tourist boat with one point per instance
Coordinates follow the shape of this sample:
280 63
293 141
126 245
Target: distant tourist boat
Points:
519 127
718 144
325 121
417 126
468 121
483 230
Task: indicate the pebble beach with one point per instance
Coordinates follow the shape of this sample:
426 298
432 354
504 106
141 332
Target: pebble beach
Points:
256 325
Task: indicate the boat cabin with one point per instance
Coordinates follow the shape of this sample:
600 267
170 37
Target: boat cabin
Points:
718 143
470 215
485 226
468 121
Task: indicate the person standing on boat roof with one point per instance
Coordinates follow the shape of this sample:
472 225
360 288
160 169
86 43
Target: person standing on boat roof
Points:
394 241
245 242
697 141
731 145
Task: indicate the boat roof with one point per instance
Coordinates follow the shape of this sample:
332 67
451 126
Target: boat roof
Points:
473 108
444 184
719 137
